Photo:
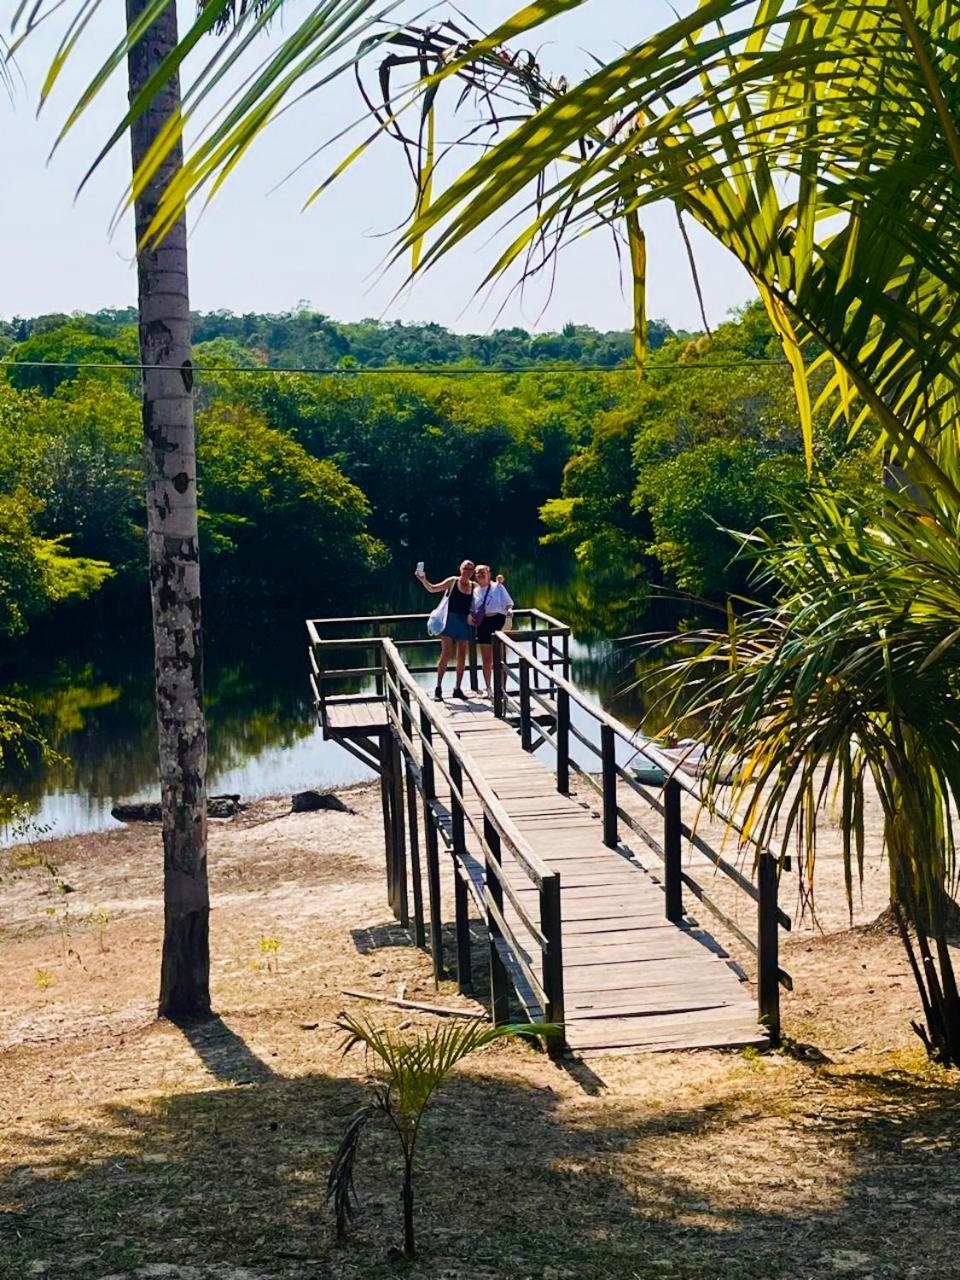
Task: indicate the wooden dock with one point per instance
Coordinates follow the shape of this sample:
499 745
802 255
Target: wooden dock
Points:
579 930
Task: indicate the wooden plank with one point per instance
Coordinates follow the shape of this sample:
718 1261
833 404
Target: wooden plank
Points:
666 1024
736 1038
599 972
599 951
714 1028
654 971
620 924
647 1004
662 981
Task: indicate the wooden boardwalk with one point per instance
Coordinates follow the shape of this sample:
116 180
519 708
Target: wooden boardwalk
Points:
583 929
632 980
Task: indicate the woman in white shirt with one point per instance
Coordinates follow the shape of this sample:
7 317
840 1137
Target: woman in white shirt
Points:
491 604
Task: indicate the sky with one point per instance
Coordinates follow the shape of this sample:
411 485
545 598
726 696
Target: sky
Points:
255 250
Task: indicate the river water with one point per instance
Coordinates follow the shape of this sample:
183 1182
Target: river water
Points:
90 682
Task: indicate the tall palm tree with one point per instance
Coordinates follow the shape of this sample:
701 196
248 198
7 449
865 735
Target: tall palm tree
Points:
170 465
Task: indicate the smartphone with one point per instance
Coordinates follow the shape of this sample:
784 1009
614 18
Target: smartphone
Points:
420 569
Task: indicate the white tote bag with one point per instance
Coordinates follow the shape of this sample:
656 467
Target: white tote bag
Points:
438 619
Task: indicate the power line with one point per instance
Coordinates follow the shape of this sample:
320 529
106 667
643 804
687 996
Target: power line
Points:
443 371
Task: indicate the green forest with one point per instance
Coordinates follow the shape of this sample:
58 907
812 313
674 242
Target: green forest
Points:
316 485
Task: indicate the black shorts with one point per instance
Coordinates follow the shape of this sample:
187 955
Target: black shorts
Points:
492 622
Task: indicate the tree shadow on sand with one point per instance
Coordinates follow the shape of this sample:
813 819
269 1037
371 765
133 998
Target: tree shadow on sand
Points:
514 1181
226 1055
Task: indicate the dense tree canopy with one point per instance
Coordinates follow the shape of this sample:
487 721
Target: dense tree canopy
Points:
306 479
709 443
307 339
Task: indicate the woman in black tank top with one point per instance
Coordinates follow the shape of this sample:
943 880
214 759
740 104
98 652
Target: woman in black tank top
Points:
456 631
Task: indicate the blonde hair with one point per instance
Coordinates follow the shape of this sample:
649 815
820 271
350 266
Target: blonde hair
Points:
483 568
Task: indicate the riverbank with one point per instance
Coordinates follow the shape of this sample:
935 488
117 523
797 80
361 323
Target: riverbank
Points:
134 1148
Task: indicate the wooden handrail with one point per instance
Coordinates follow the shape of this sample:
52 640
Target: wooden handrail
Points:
671 768
535 867
552 623
498 830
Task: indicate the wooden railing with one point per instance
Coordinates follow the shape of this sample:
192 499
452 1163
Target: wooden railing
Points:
521 683
531 626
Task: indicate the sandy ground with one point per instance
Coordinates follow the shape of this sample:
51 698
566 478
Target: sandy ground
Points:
133 1148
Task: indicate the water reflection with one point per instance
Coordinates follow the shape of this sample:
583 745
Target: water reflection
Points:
95 702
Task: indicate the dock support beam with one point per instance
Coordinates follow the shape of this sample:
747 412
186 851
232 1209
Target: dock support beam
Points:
460 901
499 656
563 742
550 925
406 720
526 728
428 776
608 752
768 948
386 791
499 981
401 907
672 846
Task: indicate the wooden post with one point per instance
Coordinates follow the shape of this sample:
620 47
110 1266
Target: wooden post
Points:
768 947
499 982
550 924
321 686
566 655
499 658
474 676
399 834
563 742
608 747
672 844
460 900
419 932
535 649
433 849
419 935
378 650
386 793
526 729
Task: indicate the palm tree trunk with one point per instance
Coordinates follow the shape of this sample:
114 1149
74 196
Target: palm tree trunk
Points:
409 1242
171 478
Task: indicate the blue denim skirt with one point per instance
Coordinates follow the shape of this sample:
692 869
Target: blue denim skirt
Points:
457 626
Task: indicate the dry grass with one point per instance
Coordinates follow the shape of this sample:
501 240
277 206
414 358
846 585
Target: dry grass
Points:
133 1148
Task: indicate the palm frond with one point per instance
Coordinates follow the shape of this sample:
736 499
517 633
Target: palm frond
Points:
321 47
340 1188
414 1068
846 675
817 144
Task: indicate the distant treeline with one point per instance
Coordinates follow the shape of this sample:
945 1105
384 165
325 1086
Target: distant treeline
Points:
311 486
307 339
